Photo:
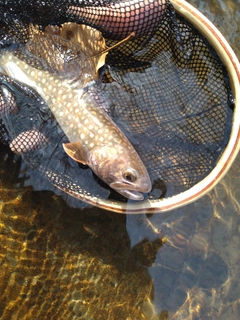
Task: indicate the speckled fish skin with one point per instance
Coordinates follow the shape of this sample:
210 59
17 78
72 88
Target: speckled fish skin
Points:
94 139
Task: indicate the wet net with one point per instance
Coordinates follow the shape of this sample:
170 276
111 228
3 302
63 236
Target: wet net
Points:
166 89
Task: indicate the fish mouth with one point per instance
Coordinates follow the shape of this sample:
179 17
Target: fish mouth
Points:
130 191
131 194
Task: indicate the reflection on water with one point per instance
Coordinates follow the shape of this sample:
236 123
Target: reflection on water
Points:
62 263
195 272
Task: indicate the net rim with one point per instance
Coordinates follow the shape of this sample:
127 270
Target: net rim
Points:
229 59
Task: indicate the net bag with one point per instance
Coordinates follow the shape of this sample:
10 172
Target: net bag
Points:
172 89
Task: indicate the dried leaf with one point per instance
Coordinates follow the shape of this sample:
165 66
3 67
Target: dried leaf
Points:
74 51
60 56
89 40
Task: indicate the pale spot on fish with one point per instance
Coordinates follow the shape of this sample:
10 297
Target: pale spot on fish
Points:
90 127
64 96
91 145
91 135
86 121
69 117
100 131
118 140
54 100
77 110
60 113
82 135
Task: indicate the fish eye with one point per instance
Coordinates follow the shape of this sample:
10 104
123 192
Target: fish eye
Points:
130 175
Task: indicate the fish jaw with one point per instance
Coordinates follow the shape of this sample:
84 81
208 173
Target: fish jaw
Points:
130 194
129 191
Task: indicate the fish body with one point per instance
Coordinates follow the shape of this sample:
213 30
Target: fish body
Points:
93 137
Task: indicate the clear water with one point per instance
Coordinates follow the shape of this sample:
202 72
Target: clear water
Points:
62 263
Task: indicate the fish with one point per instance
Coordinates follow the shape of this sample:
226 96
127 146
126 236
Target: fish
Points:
94 139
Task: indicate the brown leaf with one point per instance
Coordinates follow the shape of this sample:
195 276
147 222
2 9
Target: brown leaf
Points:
91 43
89 40
59 56
73 51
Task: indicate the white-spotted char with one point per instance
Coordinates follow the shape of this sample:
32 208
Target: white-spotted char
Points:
94 139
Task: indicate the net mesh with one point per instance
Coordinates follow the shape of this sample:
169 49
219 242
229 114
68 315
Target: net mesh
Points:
166 89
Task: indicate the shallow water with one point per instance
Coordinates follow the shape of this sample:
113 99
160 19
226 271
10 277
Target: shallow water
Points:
62 263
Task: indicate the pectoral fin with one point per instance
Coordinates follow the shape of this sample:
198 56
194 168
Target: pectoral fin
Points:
76 151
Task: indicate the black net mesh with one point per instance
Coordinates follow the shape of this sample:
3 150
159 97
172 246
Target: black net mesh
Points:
166 89
116 19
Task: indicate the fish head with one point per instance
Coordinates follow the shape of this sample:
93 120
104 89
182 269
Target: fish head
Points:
122 169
